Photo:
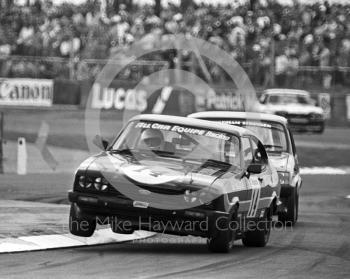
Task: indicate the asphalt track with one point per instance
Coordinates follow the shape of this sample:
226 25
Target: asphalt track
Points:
318 247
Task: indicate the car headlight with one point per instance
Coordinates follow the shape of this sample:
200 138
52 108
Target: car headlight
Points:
284 177
316 116
99 183
81 181
203 196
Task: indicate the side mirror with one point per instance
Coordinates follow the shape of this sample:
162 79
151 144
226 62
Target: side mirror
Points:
100 142
255 168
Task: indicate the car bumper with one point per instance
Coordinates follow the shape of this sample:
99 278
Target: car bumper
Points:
193 221
306 125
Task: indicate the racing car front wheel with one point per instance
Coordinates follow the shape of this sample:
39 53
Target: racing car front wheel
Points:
225 234
290 217
260 234
79 224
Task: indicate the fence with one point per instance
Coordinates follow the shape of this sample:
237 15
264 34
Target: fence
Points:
74 69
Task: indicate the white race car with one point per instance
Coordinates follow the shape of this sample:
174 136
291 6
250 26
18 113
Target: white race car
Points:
295 105
274 133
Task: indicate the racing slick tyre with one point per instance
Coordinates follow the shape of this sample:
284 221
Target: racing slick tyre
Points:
225 236
80 225
290 217
260 235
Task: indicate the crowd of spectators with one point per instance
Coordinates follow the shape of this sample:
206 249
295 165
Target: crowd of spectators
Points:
302 35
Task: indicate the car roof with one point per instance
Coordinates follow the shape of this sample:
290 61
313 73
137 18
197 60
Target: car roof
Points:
240 115
285 91
199 123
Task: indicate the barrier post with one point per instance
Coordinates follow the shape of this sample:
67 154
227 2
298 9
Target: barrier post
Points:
21 156
1 141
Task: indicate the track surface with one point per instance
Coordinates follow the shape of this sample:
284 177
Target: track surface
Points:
318 247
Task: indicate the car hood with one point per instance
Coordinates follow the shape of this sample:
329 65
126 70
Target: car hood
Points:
153 172
293 108
279 161
164 183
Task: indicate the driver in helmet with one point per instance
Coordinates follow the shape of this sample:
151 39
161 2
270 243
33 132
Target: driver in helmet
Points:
152 139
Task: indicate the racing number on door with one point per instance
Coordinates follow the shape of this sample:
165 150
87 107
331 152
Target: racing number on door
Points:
253 182
255 197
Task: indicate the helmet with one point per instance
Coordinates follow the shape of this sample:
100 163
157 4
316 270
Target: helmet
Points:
152 138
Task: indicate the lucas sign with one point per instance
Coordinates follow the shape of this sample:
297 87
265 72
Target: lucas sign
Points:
119 99
26 92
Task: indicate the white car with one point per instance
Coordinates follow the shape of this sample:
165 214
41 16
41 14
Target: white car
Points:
274 133
295 105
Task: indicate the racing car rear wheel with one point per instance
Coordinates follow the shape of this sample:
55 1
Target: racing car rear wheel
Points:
79 224
225 235
260 235
290 217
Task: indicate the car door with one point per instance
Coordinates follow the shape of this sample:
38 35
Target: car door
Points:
253 185
296 178
260 183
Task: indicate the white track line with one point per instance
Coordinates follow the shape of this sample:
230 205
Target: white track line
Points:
325 170
53 241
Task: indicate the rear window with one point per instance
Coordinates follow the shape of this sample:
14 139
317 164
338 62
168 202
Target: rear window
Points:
273 135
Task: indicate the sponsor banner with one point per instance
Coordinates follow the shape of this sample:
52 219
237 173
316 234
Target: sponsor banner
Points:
26 92
165 100
324 101
122 96
118 98
219 99
181 130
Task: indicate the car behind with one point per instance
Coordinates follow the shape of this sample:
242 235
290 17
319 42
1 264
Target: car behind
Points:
295 105
274 133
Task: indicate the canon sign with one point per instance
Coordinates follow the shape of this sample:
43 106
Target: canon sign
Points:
120 99
26 92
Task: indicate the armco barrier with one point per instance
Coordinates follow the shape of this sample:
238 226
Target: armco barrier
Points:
339 111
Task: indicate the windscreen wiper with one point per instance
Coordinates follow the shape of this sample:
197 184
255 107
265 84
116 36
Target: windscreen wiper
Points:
217 162
126 151
165 153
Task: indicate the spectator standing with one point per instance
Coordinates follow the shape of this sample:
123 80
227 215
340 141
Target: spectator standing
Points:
281 66
324 60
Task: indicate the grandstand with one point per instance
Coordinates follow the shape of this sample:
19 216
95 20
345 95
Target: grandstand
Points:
275 42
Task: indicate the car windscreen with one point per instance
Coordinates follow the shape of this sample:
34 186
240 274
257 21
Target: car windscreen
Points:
271 134
289 99
179 142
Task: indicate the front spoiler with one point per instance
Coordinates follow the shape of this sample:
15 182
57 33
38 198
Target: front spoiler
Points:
192 221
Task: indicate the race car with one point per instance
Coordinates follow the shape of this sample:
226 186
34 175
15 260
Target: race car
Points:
295 105
274 133
179 176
